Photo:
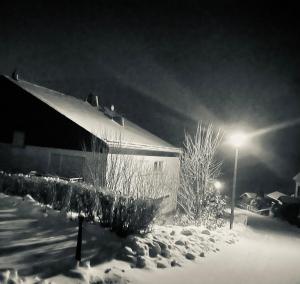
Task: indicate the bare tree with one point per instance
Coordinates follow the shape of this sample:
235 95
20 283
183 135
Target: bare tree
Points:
124 174
199 168
95 163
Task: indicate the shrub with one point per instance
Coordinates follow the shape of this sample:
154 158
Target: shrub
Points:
123 215
200 167
105 211
131 215
212 215
126 215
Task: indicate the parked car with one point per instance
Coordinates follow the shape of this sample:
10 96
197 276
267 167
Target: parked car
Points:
289 209
254 202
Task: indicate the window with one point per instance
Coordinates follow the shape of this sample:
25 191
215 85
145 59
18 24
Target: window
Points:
18 139
72 166
158 165
66 165
55 163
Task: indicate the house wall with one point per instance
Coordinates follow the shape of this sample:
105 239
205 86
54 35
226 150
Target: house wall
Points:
72 163
62 162
168 167
34 136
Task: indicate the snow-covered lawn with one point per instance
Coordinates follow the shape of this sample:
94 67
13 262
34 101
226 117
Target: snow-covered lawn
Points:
38 245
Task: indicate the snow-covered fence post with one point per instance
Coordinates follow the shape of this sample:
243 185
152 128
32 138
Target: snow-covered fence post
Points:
79 238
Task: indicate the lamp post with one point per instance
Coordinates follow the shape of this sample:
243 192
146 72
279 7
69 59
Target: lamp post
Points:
236 140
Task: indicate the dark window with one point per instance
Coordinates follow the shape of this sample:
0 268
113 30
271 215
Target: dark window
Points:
66 165
55 164
18 139
158 165
71 166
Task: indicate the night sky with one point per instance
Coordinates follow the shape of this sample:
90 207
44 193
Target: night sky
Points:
168 65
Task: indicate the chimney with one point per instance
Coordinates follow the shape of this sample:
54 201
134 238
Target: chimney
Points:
94 101
90 99
15 75
97 102
120 120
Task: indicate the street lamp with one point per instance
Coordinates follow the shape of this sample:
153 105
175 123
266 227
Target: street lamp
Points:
218 185
236 140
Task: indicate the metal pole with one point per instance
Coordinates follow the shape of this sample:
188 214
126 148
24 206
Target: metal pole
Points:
234 187
79 238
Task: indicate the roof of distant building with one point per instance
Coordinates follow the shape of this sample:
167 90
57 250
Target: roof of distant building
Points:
249 194
275 195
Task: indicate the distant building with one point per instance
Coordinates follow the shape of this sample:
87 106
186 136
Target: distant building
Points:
44 130
297 184
246 198
248 195
253 202
275 196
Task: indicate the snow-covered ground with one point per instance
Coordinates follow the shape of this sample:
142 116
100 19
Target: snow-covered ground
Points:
268 251
41 245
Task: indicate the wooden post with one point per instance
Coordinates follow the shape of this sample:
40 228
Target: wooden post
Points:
297 189
79 238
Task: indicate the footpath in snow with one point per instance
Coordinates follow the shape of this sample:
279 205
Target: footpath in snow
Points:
268 252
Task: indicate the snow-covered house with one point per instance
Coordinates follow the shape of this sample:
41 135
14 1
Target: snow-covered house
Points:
247 197
44 130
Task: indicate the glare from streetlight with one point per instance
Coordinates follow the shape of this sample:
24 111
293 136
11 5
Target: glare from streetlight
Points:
218 185
237 139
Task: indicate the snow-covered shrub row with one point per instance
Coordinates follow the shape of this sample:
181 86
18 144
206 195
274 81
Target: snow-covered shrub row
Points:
122 214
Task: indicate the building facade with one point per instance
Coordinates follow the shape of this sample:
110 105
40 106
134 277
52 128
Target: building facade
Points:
51 133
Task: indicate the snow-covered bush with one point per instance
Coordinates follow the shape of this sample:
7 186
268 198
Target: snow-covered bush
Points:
212 213
122 214
214 206
127 215
197 197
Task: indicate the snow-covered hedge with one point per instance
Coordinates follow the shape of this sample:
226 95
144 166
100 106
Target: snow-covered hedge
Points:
122 214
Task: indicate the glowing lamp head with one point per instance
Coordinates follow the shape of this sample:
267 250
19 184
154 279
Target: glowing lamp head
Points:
237 139
218 185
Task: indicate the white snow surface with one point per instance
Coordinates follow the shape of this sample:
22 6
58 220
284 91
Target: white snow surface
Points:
37 245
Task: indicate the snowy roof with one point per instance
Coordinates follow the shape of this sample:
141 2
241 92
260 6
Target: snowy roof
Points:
96 122
249 194
297 177
275 195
